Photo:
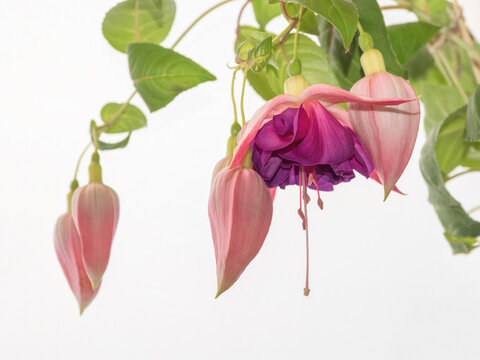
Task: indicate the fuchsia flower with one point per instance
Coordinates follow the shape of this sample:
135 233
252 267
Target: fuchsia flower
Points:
387 133
240 211
300 138
69 253
95 211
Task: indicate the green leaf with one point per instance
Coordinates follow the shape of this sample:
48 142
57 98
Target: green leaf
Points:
315 66
134 21
407 39
450 147
472 159
346 66
472 128
371 18
107 146
161 74
265 12
127 117
453 217
340 13
461 245
112 146
309 23
429 11
258 56
439 102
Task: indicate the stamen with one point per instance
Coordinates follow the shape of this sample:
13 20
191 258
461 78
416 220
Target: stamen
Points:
306 198
300 212
319 200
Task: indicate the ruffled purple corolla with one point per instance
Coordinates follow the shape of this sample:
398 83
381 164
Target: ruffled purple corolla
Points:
308 140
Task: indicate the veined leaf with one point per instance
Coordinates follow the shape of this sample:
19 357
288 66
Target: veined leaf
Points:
346 66
408 38
127 117
450 147
265 12
472 128
138 21
456 222
340 13
160 74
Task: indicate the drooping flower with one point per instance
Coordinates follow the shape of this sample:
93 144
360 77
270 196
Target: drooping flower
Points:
95 211
388 133
299 138
69 254
240 211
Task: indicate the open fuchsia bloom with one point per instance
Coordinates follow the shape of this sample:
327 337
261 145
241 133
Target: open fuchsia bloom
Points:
387 133
95 211
299 138
69 253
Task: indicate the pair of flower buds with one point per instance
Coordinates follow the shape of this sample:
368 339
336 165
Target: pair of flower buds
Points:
83 235
303 138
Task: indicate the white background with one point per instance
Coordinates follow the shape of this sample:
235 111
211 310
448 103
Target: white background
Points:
384 282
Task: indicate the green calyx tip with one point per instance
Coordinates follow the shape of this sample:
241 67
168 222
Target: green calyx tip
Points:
74 185
295 67
231 145
235 129
247 160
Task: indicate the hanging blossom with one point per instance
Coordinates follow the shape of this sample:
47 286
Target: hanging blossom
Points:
299 138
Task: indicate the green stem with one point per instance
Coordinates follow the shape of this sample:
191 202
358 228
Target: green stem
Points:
295 43
197 20
279 37
80 160
117 115
453 77
462 173
242 110
235 114
476 208
394 7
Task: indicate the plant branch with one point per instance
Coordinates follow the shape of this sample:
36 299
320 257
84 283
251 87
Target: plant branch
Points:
237 30
202 15
462 173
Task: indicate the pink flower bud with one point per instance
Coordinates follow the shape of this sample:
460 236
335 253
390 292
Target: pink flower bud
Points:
388 133
69 253
240 211
95 210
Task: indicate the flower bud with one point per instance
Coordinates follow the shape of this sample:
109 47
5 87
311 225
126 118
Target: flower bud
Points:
240 212
388 133
69 253
295 85
95 211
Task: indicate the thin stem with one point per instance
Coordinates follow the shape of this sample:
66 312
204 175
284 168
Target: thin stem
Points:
284 10
295 43
394 7
462 173
117 115
242 110
306 199
441 58
237 31
465 35
80 160
208 11
235 114
277 39
476 208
